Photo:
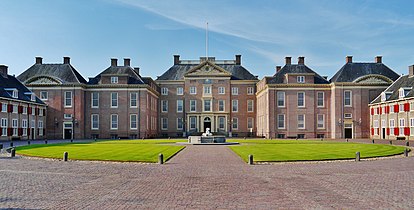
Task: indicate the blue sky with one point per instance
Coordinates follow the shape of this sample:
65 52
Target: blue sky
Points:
151 32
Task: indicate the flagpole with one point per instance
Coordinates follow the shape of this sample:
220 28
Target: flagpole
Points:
207 41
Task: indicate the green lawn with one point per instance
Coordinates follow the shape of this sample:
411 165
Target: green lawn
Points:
305 150
123 150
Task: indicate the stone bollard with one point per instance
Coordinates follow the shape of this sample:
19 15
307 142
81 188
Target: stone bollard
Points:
357 156
161 159
71 141
250 159
407 144
390 141
45 141
373 141
346 140
13 152
11 144
1 146
406 152
65 156
28 142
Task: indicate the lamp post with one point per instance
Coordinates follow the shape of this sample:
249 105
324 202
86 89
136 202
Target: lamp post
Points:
230 127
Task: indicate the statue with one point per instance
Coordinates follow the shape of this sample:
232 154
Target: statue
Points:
207 133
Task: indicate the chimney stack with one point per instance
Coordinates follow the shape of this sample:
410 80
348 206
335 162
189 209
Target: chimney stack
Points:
378 59
288 60
176 59
301 60
349 59
127 62
411 71
238 59
3 71
66 60
114 62
137 70
278 68
39 60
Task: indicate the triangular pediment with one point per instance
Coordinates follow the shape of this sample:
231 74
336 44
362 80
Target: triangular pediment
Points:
207 68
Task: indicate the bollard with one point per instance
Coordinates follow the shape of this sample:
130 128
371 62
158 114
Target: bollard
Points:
161 158
244 138
65 156
250 159
357 156
11 144
406 152
71 141
407 144
390 141
296 138
321 139
45 141
373 141
13 152
346 140
271 138
28 142
1 146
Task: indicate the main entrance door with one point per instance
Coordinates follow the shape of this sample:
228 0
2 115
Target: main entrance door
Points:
348 130
383 133
207 124
67 130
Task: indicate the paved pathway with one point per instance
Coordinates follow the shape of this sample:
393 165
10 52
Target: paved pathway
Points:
206 177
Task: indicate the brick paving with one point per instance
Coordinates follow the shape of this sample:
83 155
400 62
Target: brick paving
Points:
206 177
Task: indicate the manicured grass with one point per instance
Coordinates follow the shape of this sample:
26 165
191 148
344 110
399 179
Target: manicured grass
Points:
305 150
122 150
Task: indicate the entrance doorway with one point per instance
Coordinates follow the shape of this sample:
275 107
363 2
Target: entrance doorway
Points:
67 130
348 131
207 124
383 133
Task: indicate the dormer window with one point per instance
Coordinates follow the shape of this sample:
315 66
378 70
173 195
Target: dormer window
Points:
402 92
114 80
383 98
33 97
13 92
300 79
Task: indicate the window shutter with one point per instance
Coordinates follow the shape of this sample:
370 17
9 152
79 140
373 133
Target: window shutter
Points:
28 131
372 111
20 131
388 131
29 110
372 131
1 106
380 110
20 109
9 108
1 131
9 131
396 108
406 131
396 131
406 107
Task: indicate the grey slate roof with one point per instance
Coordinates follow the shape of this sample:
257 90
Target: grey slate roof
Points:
279 77
352 71
10 83
402 82
65 73
177 72
133 75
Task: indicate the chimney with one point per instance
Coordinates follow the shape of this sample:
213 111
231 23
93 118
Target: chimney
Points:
378 59
39 60
137 70
349 59
410 71
114 62
176 59
288 60
238 59
127 62
66 60
278 68
325 77
3 71
301 60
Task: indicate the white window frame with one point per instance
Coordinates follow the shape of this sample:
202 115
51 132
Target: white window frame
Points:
235 123
193 121
207 90
191 106
298 120
114 122
235 105
281 126
318 121
44 95
92 121
323 99
222 104
350 98
180 122
401 108
132 100
250 90
24 127
204 105
114 80
250 123
114 99
411 126
133 121
221 90
180 103
4 107
164 106
4 125
300 79
180 91
93 94
303 105
66 98
15 108
234 91
15 127
392 125
250 106
40 126
222 125
164 123
164 91
193 90
401 126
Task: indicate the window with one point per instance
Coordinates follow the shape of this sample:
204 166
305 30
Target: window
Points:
114 121
250 90
281 121
250 121
67 116
133 121
301 99
235 124
391 108
411 126
250 105
321 121
401 108
4 125
207 105
412 106
114 100
40 126
402 125
221 106
24 110
24 127
68 98
164 91
180 91
235 105
179 123
321 98
114 80
221 90
301 121
383 97
15 126
3 107
401 93
33 124
300 79
94 122
193 123
193 90
347 115
222 123
207 90
392 125
164 106
15 94
15 108
164 123
44 95
193 105
95 100
32 97
41 112
133 100
347 98
33 110
179 105
235 91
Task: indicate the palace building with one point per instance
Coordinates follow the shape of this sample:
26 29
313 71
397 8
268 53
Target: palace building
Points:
193 95
22 114
392 112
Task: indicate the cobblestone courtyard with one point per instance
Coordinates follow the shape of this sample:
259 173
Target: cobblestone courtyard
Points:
206 177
